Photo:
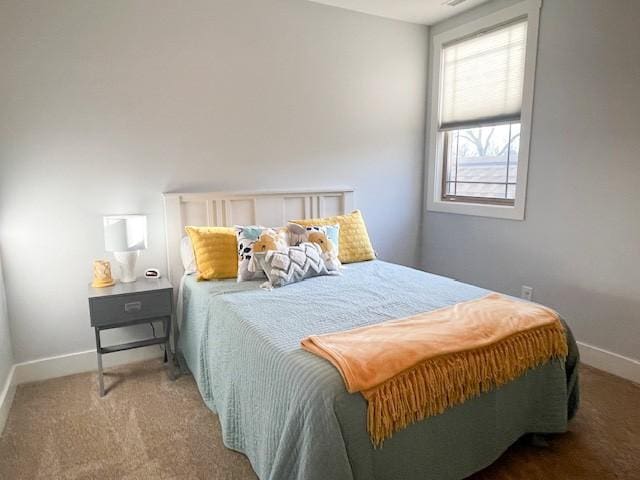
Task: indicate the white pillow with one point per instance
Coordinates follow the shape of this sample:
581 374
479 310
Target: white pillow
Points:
187 256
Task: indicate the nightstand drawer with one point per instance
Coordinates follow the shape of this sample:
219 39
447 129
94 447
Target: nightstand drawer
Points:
125 308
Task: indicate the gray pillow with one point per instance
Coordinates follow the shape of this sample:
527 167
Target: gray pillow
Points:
291 265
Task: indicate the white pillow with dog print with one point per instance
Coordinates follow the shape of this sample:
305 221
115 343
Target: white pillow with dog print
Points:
252 239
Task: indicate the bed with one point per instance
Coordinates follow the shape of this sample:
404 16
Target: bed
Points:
288 410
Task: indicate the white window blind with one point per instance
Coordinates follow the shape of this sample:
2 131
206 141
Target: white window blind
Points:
482 78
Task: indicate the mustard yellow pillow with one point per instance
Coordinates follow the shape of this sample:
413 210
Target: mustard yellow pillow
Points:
215 251
355 245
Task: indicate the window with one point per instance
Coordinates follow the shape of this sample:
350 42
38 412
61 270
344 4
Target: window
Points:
481 164
481 112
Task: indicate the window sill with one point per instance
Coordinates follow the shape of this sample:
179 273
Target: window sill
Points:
508 212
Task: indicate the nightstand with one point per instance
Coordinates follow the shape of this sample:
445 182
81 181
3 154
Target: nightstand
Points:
126 304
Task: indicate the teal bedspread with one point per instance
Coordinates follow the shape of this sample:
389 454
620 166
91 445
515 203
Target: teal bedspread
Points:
288 410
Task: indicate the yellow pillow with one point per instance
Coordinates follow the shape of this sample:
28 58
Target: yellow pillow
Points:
215 249
355 245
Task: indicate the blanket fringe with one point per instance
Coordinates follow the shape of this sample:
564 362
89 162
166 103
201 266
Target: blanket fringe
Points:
442 382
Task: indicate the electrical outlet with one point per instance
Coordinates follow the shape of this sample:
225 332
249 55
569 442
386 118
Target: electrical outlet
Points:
526 292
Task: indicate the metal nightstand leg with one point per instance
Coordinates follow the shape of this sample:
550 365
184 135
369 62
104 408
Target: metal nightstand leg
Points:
98 350
168 354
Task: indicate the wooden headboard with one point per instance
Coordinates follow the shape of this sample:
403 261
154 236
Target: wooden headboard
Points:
272 208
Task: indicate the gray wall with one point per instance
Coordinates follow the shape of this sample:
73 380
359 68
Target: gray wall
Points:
106 104
6 352
580 243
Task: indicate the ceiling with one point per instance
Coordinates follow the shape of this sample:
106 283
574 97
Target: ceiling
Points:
426 12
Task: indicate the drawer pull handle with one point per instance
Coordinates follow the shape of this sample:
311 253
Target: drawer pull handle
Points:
132 307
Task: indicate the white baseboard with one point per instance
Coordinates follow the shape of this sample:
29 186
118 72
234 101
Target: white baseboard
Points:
6 397
619 365
79 362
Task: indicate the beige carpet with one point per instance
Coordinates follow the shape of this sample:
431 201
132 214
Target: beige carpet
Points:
149 427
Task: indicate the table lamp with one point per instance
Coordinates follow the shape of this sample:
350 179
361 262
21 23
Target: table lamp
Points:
125 236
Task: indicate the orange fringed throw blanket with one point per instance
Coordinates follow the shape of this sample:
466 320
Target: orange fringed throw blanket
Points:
418 366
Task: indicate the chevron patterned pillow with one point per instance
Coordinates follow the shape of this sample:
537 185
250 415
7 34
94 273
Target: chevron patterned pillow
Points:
292 265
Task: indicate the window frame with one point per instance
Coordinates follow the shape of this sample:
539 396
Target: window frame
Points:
529 9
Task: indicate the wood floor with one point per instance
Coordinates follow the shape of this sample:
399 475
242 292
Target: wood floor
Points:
148 427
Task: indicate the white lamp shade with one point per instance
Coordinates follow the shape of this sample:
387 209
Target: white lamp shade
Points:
125 233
